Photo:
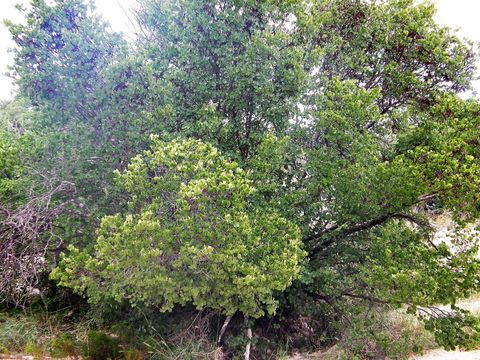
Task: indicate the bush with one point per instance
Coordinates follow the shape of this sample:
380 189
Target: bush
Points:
63 345
101 346
247 250
393 335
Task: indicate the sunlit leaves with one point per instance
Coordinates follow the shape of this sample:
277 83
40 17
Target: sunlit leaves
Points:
191 238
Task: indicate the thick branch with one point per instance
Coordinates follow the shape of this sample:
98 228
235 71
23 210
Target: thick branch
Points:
319 247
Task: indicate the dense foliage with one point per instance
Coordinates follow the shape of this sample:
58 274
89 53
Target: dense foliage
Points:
191 236
298 148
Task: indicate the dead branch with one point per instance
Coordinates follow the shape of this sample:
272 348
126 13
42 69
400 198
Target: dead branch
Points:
28 240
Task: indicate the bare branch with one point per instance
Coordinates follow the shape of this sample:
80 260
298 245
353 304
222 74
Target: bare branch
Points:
27 238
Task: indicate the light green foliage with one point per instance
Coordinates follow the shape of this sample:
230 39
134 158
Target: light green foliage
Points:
405 269
15 148
353 173
15 179
190 236
369 182
10 170
462 330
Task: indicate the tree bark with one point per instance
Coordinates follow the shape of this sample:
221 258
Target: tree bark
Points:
224 327
249 344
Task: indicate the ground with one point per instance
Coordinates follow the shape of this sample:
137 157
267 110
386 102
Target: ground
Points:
448 355
430 355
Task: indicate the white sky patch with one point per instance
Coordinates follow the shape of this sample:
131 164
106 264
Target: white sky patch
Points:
7 11
118 14
113 11
461 14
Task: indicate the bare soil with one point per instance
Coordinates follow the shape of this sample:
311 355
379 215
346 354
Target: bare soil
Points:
448 355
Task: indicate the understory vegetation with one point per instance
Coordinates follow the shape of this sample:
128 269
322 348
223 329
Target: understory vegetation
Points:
244 179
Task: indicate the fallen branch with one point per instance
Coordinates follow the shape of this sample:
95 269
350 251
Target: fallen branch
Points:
28 239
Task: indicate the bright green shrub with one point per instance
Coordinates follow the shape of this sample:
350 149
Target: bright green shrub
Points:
189 236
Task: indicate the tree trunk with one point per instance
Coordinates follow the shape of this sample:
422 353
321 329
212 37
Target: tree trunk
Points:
249 336
224 327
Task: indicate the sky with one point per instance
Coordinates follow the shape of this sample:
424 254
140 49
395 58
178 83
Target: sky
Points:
458 14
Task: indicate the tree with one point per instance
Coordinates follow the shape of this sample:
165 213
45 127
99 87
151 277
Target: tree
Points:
393 46
62 40
226 72
368 195
74 72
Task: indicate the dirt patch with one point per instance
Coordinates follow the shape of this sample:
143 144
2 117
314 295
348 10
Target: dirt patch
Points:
448 355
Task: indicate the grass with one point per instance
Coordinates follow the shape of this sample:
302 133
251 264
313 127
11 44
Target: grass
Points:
394 335
18 332
185 349
41 335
